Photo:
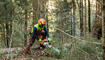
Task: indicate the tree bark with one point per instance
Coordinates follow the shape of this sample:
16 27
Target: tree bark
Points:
89 18
42 9
35 7
81 17
25 35
103 29
74 7
7 35
4 38
85 20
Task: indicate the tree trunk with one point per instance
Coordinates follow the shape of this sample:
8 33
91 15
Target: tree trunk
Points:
7 35
42 9
96 10
74 7
11 33
103 29
81 17
89 21
7 27
71 25
60 21
85 20
35 7
25 35
11 25
47 20
4 35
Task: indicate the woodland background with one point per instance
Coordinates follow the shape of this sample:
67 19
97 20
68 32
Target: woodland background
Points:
77 28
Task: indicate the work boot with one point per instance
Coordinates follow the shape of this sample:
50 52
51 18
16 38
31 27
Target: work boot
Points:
41 48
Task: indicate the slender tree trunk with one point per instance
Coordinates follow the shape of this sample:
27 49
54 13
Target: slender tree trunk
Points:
7 35
74 7
7 27
61 25
103 29
47 20
4 36
96 11
71 32
89 18
60 20
25 35
81 17
35 7
11 30
11 24
85 20
42 9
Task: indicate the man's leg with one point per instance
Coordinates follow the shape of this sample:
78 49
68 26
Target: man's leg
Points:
31 42
43 37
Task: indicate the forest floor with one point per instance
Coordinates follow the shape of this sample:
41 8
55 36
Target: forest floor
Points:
33 55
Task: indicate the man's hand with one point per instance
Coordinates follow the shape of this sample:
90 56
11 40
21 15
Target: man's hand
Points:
40 40
49 39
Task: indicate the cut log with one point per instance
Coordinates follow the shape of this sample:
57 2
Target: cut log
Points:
9 50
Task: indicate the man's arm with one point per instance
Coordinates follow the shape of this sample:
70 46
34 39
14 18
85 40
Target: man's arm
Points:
46 31
34 32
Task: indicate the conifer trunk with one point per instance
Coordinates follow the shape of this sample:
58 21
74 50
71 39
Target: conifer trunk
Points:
81 17
89 20
35 7
85 20
103 29
25 35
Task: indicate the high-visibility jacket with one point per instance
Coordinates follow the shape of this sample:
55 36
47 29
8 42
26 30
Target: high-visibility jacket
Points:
35 30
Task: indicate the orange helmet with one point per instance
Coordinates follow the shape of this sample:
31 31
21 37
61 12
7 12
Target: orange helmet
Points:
41 21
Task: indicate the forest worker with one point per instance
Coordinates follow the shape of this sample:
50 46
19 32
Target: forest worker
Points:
36 32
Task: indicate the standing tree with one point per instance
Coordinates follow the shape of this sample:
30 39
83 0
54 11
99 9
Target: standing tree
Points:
103 29
24 6
25 35
8 9
74 8
85 20
42 8
89 18
26 17
81 17
59 18
35 8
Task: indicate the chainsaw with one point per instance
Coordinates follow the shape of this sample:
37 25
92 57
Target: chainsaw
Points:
46 43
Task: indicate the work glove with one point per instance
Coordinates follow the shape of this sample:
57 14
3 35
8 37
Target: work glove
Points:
49 39
40 40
